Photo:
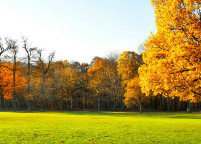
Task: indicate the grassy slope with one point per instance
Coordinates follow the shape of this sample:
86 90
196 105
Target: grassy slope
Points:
105 127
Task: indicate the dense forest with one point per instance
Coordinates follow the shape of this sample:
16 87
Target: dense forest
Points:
166 76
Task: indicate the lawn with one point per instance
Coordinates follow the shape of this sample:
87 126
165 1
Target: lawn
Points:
104 127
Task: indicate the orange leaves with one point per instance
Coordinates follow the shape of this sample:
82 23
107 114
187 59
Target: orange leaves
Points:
98 64
103 77
97 73
6 77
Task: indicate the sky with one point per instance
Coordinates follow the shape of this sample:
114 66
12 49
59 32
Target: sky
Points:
78 30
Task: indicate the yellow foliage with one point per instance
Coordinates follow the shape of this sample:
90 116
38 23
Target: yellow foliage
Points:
173 55
133 95
128 63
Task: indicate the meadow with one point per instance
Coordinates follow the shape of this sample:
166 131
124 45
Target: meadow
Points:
103 127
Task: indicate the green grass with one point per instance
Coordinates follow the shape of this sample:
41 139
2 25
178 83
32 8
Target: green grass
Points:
104 127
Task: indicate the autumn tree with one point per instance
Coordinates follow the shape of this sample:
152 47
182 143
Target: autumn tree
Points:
2 51
66 78
105 83
83 85
13 48
128 64
30 57
97 74
7 85
43 68
172 56
116 89
134 95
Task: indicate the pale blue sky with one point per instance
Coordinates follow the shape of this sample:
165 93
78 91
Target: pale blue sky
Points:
78 29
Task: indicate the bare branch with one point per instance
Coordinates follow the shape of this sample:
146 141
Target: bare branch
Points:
51 56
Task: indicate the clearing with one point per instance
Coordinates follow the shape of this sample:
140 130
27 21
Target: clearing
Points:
103 127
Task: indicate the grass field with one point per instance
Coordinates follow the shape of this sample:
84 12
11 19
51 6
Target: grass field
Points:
104 127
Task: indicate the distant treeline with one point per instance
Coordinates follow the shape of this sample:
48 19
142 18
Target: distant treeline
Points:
34 83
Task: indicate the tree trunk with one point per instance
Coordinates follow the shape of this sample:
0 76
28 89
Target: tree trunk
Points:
151 104
85 103
98 104
42 94
114 104
189 106
1 101
175 103
29 106
72 101
14 92
140 107
168 104
41 105
156 102
67 105
28 85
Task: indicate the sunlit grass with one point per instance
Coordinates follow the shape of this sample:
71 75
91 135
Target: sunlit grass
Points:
104 127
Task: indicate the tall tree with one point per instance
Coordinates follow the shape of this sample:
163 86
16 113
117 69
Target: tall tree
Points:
128 64
66 78
105 83
30 56
134 95
44 68
13 47
6 76
172 59
2 51
96 72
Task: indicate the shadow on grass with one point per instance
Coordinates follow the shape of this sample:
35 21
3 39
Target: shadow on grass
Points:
170 115
173 115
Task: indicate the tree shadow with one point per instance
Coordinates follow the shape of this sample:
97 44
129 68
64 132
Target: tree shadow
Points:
171 115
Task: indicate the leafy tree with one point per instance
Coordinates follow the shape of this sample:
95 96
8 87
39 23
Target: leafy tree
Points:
105 83
30 56
6 76
172 56
128 64
134 95
97 82
43 68
2 51
13 48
